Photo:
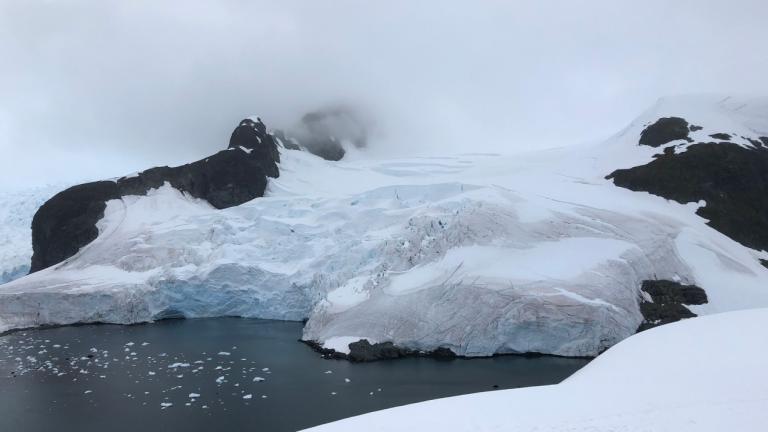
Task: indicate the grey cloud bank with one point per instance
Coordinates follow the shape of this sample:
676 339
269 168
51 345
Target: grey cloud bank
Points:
93 89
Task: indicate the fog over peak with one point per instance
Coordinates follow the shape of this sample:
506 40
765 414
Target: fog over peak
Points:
92 89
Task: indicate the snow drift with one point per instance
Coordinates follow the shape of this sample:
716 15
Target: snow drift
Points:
478 253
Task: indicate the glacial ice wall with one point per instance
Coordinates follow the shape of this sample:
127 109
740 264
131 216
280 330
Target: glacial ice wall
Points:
478 253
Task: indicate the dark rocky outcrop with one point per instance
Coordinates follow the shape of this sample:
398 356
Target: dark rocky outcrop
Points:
733 180
339 122
324 131
289 143
721 136
67 222
252 135
668 300
364 351
328 148
664 130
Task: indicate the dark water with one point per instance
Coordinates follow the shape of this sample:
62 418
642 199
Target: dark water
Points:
115 378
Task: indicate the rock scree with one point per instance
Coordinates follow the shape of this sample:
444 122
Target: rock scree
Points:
67 221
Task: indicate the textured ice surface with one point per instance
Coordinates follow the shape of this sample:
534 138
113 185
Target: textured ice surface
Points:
16 211
481 254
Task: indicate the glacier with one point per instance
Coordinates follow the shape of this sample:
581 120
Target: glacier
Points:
17 207
479 253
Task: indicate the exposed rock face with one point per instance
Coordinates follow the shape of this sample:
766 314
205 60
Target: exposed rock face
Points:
664 130
733 180
721 136
324 131
342 123
67 222
364 351
252 135
328 148
668 300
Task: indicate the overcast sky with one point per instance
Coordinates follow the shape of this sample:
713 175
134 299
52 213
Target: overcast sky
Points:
99 88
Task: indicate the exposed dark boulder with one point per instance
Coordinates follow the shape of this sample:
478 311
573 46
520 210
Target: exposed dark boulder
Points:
695 128
664 130
67 222
721 136
364 351
668 300
731 179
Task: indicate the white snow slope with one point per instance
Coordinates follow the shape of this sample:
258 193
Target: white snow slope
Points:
479 253
702 374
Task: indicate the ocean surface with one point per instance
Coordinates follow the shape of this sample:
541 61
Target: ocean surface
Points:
226 374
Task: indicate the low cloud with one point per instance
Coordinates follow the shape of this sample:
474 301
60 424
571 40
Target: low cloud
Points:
90 89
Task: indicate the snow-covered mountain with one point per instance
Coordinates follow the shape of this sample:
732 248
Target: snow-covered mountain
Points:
705 374
476 253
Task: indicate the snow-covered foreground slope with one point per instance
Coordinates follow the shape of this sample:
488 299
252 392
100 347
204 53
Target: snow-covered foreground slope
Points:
703 374
478 253
16 211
